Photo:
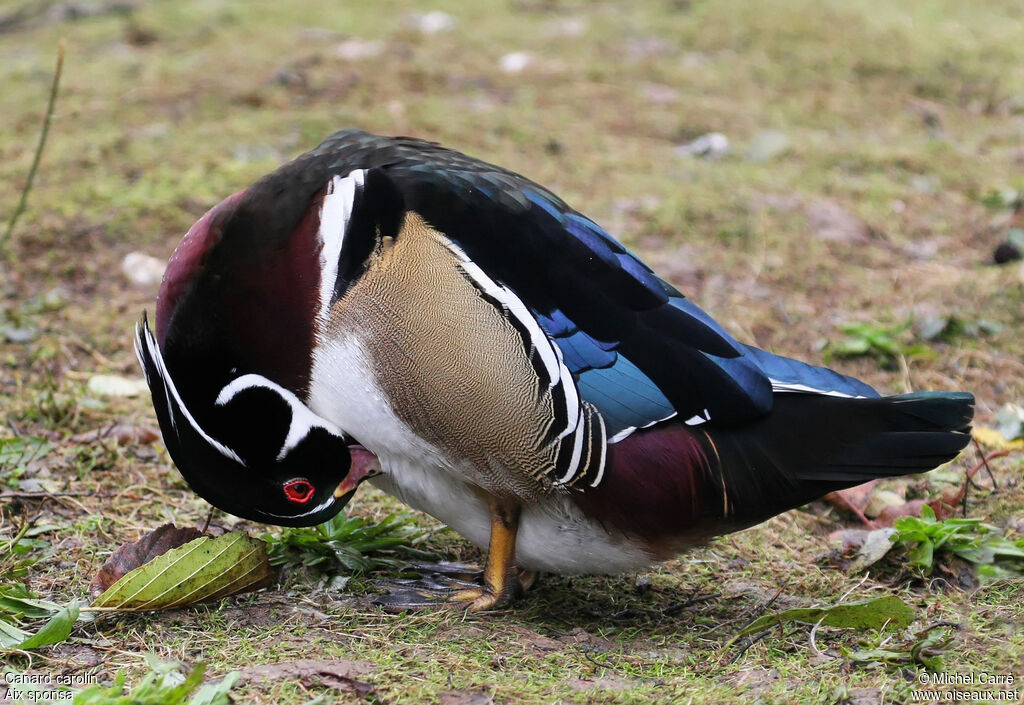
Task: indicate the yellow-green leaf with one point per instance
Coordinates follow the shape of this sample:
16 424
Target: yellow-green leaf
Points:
890 612
203 569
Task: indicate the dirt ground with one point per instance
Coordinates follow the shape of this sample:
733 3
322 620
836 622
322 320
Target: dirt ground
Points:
875 156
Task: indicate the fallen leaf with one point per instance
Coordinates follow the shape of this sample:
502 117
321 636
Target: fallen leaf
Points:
122 434
339 674
137 553
942 509
876 545
882 500
611 683
56 630
203 569
846 540
856 497
890 612
992 438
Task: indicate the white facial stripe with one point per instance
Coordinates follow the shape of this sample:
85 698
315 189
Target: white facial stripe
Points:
154 352
335 212
303 420
314 510
778 386
550 355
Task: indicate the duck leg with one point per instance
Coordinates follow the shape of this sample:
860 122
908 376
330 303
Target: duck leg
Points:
458 585
501 579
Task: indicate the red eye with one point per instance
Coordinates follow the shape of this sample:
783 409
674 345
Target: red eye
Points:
299 491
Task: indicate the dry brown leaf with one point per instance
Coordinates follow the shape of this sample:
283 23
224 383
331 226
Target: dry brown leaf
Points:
123 434
466 697
856 497
339 674
137 553
942 508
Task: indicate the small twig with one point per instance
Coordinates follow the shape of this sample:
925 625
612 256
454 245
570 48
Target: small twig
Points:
814 645
45 495
984 462
209 518
39 148
743 649
673 609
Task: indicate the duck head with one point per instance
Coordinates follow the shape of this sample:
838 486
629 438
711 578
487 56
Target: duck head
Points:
238 317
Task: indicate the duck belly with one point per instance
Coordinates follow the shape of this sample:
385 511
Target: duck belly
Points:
554 535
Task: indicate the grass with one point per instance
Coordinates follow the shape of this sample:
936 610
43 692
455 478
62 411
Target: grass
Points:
908 118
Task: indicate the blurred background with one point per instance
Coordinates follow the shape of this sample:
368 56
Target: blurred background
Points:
834 181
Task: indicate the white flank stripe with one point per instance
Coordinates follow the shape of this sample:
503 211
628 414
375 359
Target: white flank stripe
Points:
558 373
303 420
604 452
154 351
778 386
335 212
577 451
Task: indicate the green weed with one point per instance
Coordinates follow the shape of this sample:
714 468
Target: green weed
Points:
926 538
356 544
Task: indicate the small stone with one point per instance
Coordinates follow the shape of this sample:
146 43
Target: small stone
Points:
355 49
18 335
431 22
711 146
116 386
515 62
141 269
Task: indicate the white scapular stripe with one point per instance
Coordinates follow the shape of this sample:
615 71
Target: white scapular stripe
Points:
335 212
303 420
778 386
698 419
175 398
550 355
630 430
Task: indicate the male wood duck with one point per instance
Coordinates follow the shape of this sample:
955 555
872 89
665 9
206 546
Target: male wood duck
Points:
388 308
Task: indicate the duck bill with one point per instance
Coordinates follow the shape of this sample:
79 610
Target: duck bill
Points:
364 465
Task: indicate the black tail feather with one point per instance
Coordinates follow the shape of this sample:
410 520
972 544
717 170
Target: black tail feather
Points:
810 445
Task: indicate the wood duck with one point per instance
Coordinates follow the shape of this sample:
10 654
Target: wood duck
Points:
387 308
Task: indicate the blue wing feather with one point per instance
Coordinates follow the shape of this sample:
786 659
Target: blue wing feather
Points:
638 348
625 396
797 374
